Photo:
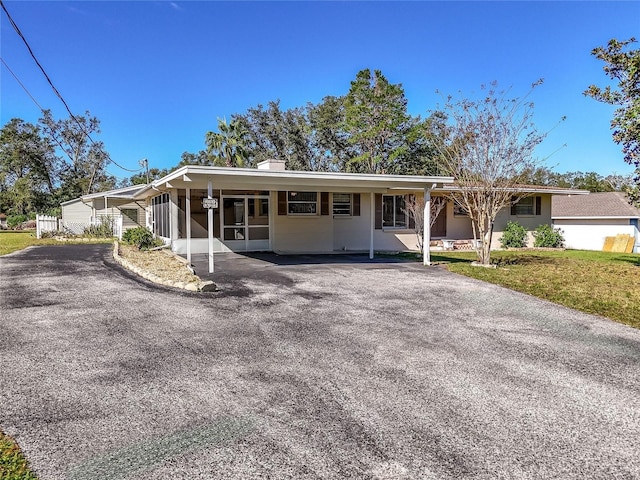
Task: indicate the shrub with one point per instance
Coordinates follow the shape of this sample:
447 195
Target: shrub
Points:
514 236
103 229
546 236
49 234
14 220
141 238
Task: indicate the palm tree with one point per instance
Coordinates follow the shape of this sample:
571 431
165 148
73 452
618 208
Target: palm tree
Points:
227 145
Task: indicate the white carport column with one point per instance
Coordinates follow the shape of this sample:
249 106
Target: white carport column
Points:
174 215
372 223
426 229
210 225
187 221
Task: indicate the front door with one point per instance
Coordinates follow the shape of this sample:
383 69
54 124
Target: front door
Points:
439 228
245 222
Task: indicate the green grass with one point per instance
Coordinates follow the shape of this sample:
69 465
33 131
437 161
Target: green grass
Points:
10 241
601 283
13 465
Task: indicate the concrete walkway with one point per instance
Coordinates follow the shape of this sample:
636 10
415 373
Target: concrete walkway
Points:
307 371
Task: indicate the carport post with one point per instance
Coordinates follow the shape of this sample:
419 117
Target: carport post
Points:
372 223
188 222
426 228
210 225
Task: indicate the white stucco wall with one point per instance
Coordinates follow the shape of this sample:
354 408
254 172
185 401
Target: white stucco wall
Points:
589 234
327 234
352 233
458 227
301 233
529 222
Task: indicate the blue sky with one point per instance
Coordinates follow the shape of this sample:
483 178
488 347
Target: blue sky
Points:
158 74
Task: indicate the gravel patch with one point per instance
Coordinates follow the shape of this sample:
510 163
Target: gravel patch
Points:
160 266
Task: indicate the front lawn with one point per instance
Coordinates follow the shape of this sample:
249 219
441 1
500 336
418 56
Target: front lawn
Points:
601 283
11 240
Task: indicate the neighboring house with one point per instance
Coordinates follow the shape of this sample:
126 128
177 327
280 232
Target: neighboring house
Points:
79 213
3 220
587 220
273 209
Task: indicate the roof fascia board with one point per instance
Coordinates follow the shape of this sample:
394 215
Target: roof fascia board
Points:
73 200
523 190
116 192
190 171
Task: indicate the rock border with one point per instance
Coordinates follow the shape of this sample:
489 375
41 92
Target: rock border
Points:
197 286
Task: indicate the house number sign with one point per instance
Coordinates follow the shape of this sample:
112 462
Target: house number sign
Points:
209 203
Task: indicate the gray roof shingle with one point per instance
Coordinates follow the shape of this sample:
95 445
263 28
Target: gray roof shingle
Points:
606 204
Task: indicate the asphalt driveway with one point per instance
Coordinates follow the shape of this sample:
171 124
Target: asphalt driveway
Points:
325 370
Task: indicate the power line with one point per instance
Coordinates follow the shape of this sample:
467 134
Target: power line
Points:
38 105
21 84
55 90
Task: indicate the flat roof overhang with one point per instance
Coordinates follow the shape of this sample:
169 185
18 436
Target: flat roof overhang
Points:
192 176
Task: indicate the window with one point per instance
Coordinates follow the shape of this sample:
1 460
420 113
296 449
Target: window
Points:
394 214
342 204
160 210
459 210
130 213
527 206
302 203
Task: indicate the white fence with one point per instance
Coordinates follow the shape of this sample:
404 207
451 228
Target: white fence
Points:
45 223
52 224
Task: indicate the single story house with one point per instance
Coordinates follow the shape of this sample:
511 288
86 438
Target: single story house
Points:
587 220
204 209
81 212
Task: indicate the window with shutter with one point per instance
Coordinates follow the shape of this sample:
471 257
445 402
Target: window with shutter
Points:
394 213
342 204
302 203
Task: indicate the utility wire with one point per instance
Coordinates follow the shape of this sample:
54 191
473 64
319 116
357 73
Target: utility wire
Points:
21 84
55 90
39 106
53 130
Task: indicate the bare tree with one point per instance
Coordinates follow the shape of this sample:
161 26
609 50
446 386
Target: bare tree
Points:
415 208
488 148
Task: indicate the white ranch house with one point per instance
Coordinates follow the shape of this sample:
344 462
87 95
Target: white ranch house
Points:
296 212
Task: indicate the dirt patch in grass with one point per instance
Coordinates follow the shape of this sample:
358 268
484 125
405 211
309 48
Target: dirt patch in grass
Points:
161 263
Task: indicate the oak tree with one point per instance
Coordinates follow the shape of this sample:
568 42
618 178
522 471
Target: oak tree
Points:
622 65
